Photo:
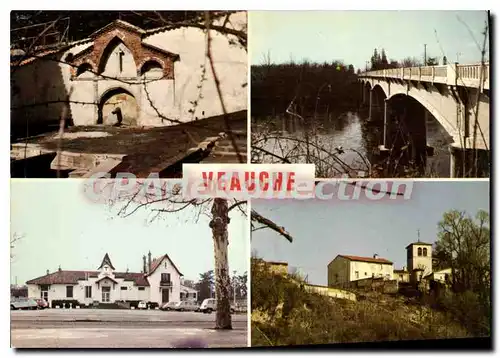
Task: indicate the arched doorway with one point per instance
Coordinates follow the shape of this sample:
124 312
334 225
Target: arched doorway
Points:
118 106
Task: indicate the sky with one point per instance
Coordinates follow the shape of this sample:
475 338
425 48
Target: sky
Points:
324 229
351 36
61 226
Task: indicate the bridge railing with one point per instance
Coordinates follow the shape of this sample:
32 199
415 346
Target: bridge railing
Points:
452 74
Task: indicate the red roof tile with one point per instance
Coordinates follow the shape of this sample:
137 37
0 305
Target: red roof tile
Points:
367 259
72 278
157 262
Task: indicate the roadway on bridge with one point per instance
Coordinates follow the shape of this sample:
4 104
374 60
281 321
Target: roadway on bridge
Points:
102 328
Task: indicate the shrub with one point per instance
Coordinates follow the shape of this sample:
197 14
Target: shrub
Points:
283 313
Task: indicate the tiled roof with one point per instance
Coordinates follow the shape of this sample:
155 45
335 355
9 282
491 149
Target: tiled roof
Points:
137 277
156 262
418 243
36 56
72 277
119 23
367 259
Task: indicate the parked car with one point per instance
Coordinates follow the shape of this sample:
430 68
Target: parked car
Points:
210 304
186 306
42 304
142 305
169 306
23 303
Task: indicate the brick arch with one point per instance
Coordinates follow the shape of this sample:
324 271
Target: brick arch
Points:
103 57
150 59
141 52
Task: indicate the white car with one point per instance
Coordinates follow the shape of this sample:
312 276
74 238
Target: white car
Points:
209 305
23 303
186 306
169 306
142 305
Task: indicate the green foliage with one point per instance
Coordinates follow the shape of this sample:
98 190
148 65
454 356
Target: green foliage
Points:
315 86
464 246
283 313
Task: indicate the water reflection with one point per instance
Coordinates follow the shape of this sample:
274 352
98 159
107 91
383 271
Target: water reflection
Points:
349 136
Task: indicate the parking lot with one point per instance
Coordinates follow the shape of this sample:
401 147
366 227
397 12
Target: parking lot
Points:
106 328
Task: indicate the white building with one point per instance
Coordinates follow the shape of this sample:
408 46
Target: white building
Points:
136 76
160 282
346 268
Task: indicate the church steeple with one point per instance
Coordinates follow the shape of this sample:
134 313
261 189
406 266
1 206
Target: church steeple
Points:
106 261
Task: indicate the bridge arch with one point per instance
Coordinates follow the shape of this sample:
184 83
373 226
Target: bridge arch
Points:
443 121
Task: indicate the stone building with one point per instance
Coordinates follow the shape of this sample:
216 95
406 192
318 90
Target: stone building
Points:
132 100
124 74
159 283
419 260
347 268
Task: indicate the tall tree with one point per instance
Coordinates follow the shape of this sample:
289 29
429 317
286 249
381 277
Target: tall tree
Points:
464 246
205 284
432 61
375 60
220 220
383 60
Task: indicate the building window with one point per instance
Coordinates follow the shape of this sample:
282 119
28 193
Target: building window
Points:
425 251
336 277
165 277
69 291
356 274
88 291
366 273
419 251
123 288
141 288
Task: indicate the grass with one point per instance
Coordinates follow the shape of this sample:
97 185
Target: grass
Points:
283 313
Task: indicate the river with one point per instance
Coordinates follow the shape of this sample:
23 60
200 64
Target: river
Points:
348 137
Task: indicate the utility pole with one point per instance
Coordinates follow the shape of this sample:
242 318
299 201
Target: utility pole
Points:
418 235
425 54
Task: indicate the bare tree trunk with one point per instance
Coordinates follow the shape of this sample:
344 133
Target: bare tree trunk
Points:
220 220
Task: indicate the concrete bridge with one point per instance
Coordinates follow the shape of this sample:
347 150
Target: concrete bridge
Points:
456 95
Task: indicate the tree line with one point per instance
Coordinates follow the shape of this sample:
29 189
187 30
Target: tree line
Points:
314 87
380 61
206 286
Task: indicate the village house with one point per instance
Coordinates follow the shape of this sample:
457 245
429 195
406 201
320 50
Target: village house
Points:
347 268
159 283
402 275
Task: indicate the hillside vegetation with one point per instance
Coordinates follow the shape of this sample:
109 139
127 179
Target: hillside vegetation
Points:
284 313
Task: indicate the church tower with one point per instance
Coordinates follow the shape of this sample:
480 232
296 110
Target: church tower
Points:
419 259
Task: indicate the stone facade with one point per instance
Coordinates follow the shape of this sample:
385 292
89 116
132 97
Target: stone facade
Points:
160 77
